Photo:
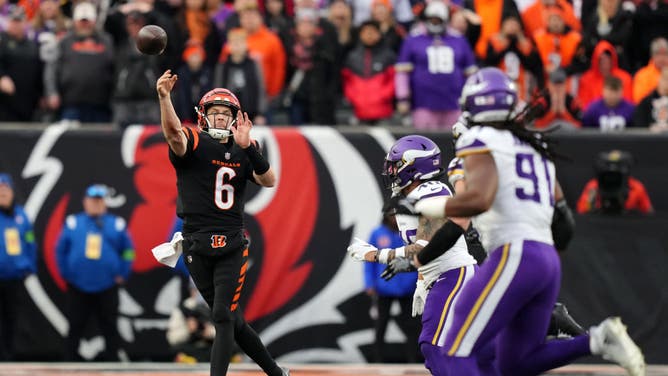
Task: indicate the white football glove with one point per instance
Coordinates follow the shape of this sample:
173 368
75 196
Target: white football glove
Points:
432 207
461 126
359 248
419 297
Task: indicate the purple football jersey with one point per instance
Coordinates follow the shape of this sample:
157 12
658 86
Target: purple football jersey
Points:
599 115
438 67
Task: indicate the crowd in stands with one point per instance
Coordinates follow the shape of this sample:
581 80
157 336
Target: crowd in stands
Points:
594 64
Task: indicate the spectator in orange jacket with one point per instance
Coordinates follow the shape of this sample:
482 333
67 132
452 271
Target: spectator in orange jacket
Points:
557 43
491 13
515 54
535 16
603 64
646 79
561 108
264 46
614 190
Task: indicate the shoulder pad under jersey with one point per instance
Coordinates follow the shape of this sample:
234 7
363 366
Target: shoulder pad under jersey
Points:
429 189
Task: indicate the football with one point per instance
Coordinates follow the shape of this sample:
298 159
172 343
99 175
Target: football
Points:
151 40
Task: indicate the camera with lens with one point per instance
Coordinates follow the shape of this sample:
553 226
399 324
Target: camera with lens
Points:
612 172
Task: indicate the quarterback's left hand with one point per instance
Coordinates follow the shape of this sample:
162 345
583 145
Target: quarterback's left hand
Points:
432 207
241 130
360 250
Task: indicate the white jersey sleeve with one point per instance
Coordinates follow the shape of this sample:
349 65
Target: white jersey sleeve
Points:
524 200
455 257
455 171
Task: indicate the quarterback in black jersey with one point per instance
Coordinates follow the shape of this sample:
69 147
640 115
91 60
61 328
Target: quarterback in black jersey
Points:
213 164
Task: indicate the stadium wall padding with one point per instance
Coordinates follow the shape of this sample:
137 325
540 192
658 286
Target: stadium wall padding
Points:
303 294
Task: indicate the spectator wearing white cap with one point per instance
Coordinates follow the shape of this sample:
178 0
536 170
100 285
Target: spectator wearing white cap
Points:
80 80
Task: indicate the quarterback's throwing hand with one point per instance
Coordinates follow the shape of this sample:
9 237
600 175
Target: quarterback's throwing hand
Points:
166 83
241 129
360 250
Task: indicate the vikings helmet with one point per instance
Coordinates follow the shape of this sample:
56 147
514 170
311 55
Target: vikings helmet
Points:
217 96
489 95
411 158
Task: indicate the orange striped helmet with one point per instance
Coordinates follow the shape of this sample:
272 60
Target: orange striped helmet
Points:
218 96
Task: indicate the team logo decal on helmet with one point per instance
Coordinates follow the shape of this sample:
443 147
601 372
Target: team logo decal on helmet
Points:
411 158
489 95
219 96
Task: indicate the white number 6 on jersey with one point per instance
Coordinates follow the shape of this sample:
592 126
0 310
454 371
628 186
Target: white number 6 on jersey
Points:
224 193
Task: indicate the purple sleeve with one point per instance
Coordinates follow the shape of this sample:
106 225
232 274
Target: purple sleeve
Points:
404 58
628 112
589 118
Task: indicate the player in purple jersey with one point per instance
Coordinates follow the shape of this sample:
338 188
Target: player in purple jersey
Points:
511 193
431 70
413 167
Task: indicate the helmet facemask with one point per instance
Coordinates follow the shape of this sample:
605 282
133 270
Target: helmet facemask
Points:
207 122
211 129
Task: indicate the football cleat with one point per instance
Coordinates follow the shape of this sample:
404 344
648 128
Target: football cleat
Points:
610 340
562 325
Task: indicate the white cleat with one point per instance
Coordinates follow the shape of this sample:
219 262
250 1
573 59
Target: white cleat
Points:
610 340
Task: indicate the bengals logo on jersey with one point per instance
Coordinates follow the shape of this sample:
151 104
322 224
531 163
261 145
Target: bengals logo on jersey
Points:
218 241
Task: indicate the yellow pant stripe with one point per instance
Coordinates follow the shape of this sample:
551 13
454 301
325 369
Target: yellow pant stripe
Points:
452 295
480 301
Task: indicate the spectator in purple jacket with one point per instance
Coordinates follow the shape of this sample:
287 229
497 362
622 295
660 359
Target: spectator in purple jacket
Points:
431 70
612 112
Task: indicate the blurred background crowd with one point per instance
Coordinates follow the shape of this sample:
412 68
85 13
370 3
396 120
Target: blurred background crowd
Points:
599 64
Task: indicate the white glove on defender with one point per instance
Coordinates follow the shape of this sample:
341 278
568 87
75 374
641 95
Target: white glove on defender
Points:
461 126
419 297
359 248
432 207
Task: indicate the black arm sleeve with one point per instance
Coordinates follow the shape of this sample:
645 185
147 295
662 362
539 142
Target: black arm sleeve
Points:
563 225
260 165
444 238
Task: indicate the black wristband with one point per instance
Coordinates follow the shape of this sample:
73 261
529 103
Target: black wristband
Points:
259 164
444 238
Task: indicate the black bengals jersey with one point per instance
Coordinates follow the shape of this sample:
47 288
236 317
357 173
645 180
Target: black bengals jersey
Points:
211 181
